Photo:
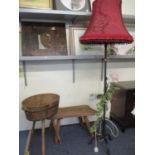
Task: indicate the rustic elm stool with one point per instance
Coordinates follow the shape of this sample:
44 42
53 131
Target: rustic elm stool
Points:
81 111
38 108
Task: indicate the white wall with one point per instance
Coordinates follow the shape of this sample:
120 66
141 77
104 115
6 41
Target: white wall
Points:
128 7
56 77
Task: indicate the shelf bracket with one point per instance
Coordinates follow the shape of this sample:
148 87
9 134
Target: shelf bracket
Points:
24 70
73 69
74 19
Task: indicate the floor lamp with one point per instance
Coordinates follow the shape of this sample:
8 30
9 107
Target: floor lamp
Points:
106 27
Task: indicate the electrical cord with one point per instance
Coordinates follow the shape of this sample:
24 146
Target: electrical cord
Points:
111 126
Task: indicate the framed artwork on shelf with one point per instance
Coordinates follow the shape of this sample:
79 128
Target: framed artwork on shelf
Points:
122 49
40 4
77 48
72 5
43 39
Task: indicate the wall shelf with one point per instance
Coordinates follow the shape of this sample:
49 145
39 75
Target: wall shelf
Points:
48 15
78 57
26 14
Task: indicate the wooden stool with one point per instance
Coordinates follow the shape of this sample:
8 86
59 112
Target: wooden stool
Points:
38 108
81 112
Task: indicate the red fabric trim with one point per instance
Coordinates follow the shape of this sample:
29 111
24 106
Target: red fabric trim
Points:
106 38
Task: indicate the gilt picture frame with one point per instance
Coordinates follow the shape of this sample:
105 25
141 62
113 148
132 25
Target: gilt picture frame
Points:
39 4
76 48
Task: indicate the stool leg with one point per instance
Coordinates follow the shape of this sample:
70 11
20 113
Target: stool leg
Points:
51 122
32 131
43 137
56 126
87 124
29 139
81 120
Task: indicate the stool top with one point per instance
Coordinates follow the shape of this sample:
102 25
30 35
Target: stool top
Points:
40 102
75 111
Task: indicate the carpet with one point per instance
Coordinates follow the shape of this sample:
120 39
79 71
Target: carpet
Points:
75 142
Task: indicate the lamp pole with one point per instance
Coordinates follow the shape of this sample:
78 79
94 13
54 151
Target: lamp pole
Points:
104 91
105 68
104 134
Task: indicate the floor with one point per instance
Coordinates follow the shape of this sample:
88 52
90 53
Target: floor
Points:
75 142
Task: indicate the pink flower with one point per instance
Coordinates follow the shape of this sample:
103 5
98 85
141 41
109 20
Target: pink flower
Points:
114 77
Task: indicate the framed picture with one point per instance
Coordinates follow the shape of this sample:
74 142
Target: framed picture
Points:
43 39
122 49
43 4
72 5
83 49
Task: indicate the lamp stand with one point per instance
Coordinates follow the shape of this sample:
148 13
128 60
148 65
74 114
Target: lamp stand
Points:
104 135
105 89
105 68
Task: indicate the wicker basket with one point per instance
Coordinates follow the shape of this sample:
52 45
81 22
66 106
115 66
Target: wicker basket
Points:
41 106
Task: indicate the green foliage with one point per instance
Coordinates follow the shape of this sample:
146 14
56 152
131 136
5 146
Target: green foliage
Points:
112 50
101 104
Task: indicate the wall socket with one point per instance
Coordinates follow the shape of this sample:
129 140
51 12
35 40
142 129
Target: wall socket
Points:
96 96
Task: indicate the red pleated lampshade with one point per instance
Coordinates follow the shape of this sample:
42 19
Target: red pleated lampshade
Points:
106 24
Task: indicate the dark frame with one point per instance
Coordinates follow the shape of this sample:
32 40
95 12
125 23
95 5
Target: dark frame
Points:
43 39
59 5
